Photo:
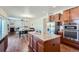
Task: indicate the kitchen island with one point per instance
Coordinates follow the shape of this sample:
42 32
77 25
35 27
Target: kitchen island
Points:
39 42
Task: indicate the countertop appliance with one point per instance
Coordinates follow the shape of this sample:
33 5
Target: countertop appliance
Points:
71 31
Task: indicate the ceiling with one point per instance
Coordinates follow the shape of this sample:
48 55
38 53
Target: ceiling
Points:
31 11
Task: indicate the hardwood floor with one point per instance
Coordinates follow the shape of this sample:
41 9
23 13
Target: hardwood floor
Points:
16 44
66 48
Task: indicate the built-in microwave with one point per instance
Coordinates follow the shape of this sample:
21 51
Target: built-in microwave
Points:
71 32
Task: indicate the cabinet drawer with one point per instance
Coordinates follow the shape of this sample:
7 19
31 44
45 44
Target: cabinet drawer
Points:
52 45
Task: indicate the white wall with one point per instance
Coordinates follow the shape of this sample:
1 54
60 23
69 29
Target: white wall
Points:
39 24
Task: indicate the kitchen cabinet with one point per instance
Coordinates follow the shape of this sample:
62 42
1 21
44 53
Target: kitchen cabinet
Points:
74 13
51 18
71 14
52 45
39 45
66 16
57 17
61 18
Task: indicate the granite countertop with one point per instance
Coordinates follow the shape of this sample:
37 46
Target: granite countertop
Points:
44 37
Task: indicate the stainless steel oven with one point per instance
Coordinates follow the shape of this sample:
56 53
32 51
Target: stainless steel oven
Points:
71 31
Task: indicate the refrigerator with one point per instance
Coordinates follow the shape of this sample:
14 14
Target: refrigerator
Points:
53 27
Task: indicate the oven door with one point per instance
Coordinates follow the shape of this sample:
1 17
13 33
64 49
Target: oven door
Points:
71 34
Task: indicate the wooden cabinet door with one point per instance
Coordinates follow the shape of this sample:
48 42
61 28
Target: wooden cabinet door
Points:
53 45
57 17
74 13
61 18
51 18
66 16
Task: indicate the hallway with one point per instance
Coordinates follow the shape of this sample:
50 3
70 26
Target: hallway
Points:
16 44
